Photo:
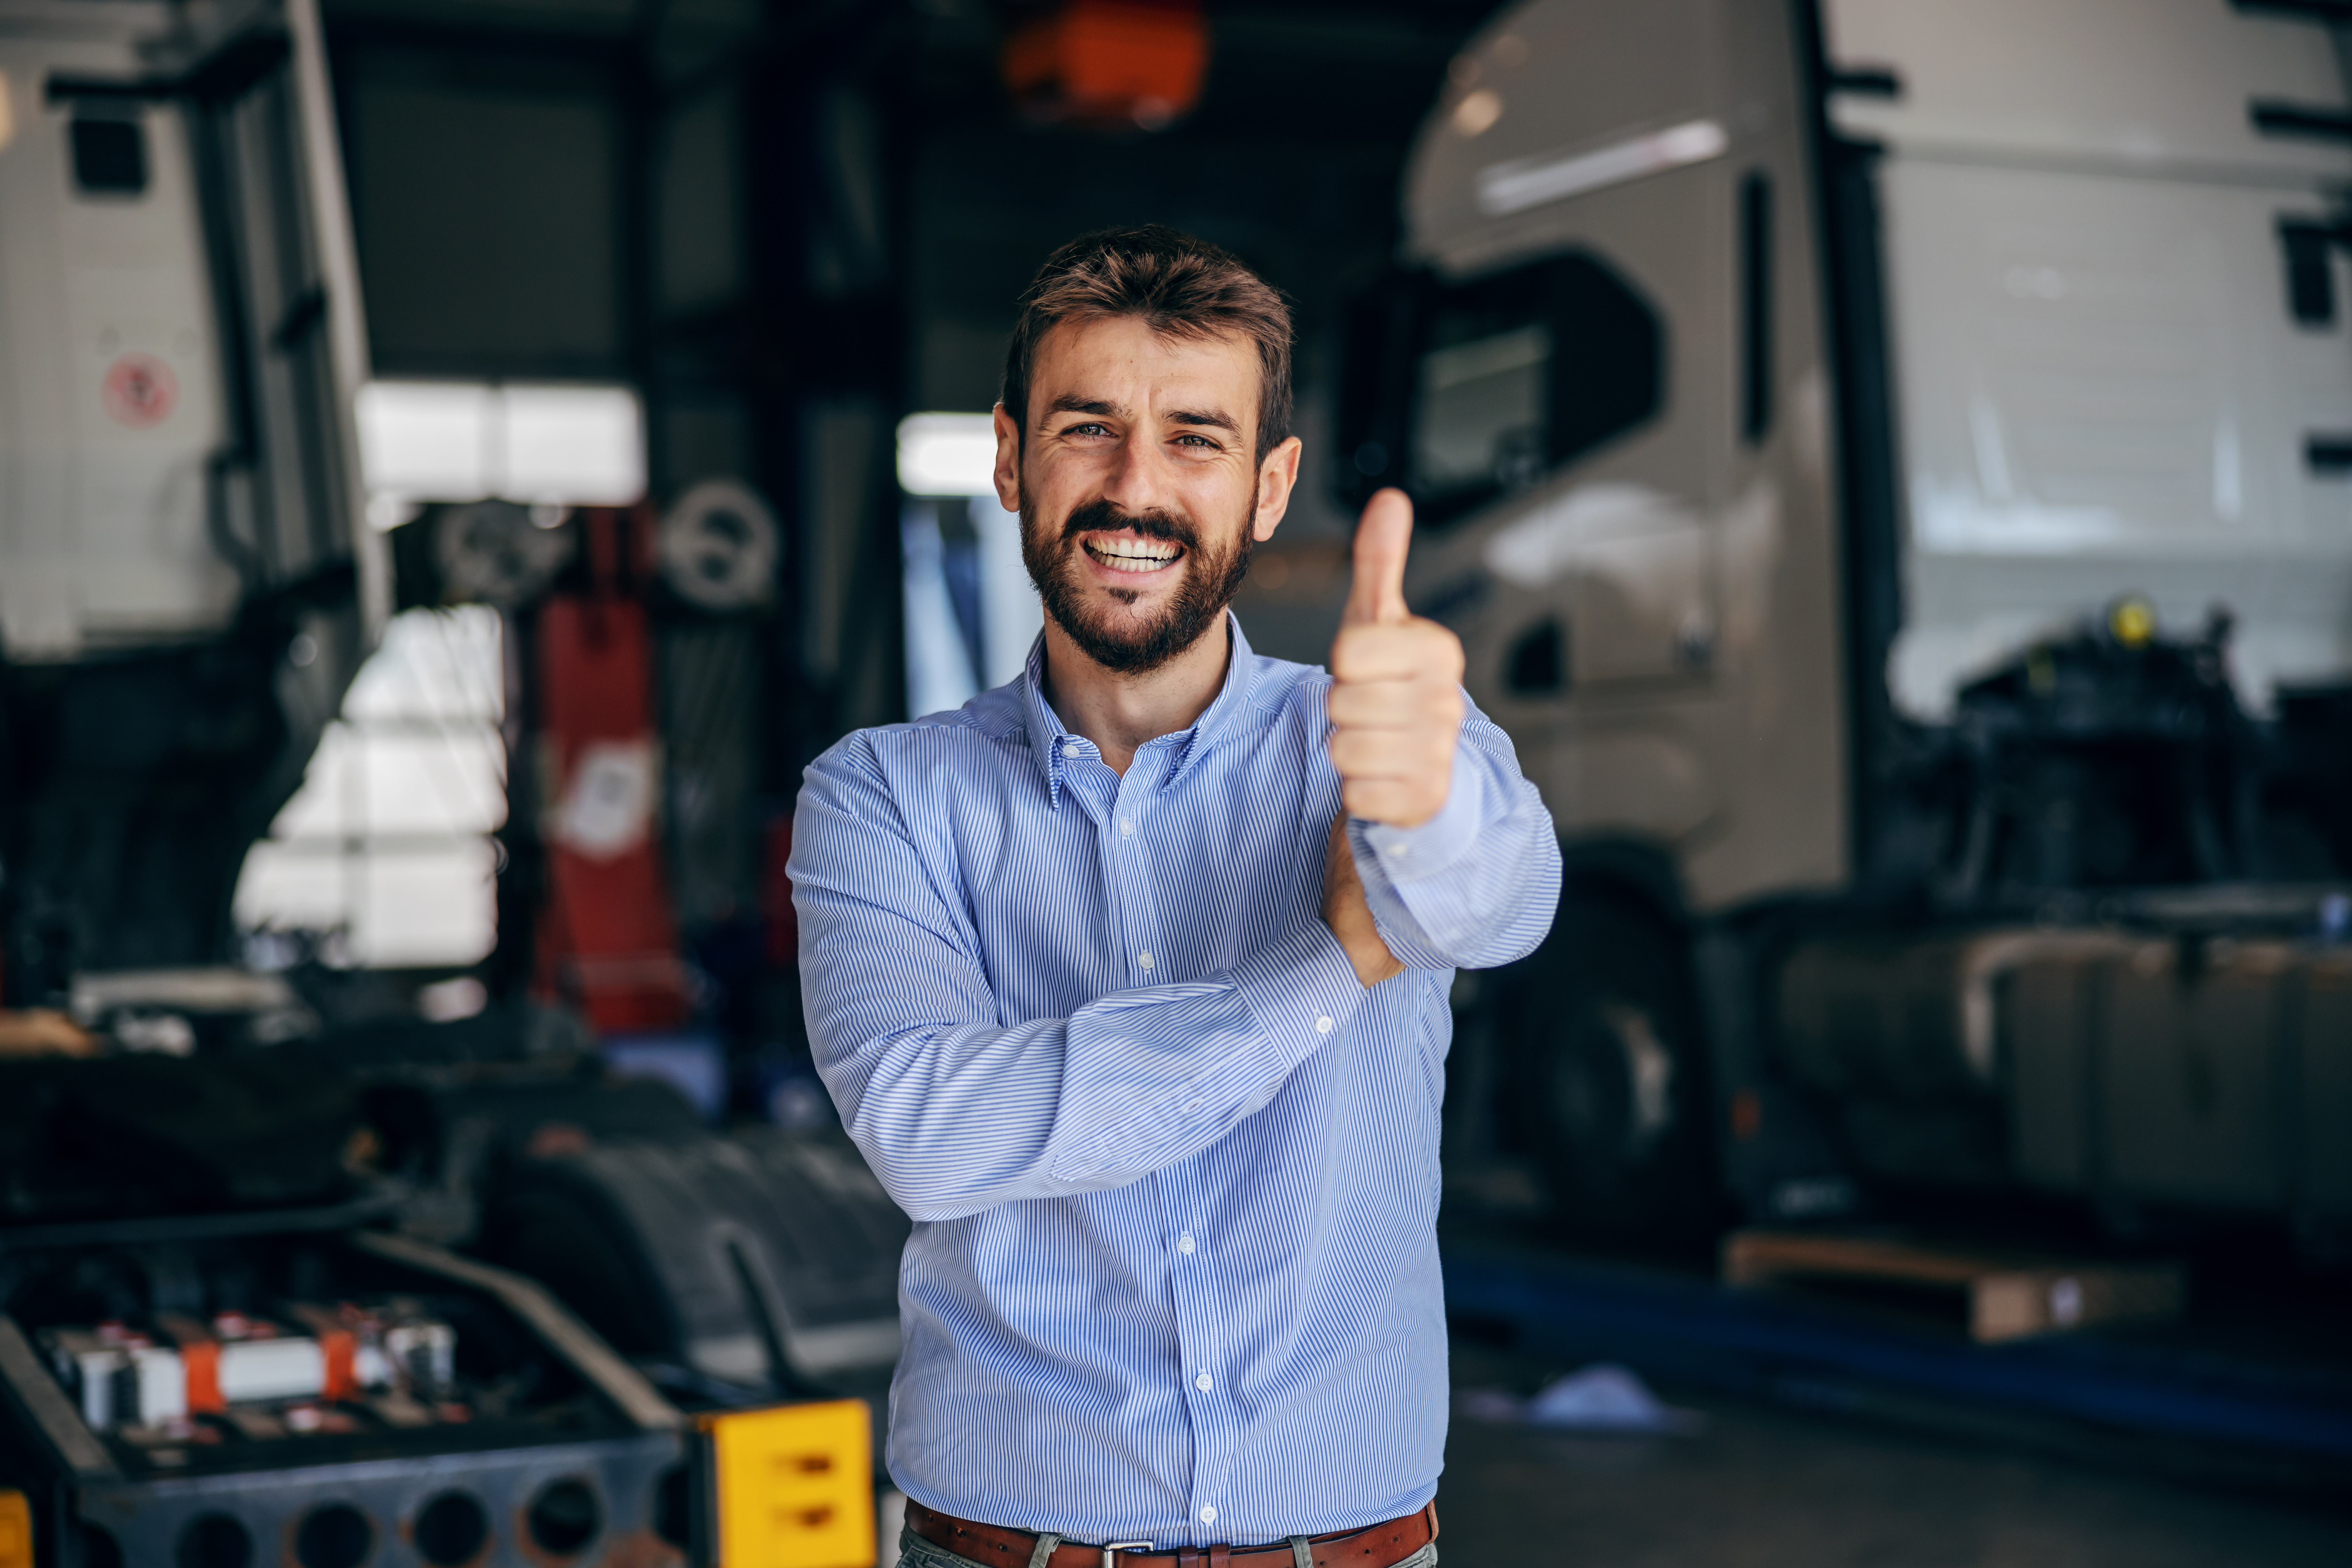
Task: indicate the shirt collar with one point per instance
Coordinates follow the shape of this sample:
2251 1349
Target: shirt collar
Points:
1049 741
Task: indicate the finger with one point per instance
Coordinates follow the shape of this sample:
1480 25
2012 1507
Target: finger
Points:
1382 537
1394 705
1359 755
1414 650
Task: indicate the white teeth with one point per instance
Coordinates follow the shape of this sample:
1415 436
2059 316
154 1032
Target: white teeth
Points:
1132 554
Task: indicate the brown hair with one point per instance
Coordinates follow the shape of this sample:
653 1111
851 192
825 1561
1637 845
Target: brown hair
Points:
1182 287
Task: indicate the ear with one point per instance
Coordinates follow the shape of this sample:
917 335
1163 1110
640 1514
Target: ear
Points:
1008 461
1276 477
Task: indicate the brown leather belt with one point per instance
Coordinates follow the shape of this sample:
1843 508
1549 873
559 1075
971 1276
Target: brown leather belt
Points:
1374 1546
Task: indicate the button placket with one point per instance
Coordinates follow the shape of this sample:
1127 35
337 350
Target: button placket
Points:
1194 1294
1131 869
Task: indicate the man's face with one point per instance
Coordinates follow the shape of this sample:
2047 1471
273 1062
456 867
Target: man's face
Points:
1138 487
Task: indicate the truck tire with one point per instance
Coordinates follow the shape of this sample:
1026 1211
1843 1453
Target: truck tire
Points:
1606 1082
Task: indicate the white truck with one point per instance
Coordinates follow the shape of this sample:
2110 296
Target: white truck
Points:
185 583
1890 463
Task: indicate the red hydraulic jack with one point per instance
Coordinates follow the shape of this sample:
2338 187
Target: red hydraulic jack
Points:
607 937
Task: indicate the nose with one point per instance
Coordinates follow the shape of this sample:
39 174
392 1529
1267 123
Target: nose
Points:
1140 479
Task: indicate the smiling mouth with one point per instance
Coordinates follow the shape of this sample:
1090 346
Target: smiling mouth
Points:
1133 555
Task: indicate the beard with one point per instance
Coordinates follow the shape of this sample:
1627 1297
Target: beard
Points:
1124 644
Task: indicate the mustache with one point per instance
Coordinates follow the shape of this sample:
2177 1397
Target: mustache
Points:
1099 515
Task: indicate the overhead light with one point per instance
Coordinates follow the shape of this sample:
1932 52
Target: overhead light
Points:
460 441
426 439
947 454
576 446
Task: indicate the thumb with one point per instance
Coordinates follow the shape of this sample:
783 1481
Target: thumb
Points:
1381 540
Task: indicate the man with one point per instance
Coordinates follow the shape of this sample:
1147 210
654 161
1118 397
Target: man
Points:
1130 979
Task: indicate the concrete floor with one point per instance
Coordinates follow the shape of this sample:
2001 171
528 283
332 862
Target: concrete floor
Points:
1767 1487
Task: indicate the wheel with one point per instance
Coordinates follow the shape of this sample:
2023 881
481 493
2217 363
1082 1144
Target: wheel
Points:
1607 1088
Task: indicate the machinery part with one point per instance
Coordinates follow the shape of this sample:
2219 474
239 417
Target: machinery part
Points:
562 1333
1911 1017
37 1398
762 1259
719 547
792 1485
1096 62
127 1379
2196 1072
607 936
2112 757
2192 1070
16 1529
1608 1089
494 552
557 1504
538 1446
131 1139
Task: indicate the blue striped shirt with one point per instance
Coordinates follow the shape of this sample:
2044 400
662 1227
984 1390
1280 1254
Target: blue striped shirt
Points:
1172 1169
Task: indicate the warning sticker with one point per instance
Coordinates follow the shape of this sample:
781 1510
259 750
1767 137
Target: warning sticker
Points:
140 390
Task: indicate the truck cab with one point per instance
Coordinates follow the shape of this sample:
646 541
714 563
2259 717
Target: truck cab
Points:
1886 464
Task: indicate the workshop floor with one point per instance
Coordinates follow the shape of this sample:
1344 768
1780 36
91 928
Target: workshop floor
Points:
1763 1487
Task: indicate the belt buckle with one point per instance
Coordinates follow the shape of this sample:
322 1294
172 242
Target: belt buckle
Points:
1111 1546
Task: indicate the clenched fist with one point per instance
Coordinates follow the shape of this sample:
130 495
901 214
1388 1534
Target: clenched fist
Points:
1396 683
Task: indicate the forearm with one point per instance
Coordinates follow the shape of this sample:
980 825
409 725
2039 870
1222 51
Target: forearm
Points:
959 1116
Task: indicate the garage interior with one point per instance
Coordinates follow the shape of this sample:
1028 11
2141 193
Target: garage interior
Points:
1921 586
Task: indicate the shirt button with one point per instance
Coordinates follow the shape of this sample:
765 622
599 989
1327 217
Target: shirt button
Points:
1204 1383
1185 1244
1143 960
1126 828
1322 1026
1192 1105
1074 750
1208 1516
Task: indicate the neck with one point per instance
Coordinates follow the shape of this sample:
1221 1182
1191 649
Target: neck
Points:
1118 711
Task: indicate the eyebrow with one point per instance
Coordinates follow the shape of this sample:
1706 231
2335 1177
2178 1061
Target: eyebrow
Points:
1208 417
1069 403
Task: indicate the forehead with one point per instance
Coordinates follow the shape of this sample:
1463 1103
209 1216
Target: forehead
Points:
1120 360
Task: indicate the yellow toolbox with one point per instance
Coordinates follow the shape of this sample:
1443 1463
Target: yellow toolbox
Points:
793 1486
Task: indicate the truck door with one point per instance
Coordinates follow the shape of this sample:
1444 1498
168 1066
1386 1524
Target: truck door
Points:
1607 402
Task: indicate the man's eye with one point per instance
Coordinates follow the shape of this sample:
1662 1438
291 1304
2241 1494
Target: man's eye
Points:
1087 428
1189 439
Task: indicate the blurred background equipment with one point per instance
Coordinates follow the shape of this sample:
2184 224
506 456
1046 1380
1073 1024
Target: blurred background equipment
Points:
1109 62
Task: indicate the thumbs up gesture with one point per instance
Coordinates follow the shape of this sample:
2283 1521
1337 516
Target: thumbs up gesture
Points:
1396 683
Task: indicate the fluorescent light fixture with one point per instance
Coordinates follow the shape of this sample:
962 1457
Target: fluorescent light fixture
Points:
580 446
458 441
947 454
426 439
1524 183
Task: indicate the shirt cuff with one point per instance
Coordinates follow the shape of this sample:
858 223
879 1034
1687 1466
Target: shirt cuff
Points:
1409 854
1302 989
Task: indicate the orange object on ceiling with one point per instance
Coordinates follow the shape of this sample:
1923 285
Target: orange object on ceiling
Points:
1110 62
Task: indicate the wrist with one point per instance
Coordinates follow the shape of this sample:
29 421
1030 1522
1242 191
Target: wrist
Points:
1359 939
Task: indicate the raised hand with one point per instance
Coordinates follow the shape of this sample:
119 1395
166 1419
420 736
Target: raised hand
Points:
1396 713
1396 683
